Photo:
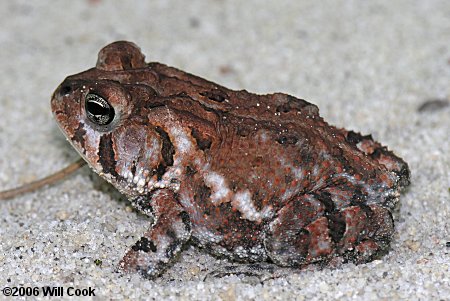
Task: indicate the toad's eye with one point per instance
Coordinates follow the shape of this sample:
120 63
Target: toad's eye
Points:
98 110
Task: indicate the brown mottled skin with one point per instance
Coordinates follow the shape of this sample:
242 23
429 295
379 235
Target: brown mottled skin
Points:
251 177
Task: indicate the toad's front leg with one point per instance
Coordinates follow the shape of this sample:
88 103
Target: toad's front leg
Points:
151 254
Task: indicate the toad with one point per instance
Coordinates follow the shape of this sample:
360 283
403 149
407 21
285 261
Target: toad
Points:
250 177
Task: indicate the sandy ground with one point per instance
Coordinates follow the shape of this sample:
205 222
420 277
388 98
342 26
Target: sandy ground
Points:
368 66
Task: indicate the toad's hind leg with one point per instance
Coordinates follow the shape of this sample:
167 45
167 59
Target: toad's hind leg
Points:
309 230
381 154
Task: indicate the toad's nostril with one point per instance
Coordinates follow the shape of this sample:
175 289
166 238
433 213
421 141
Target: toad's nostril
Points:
65 89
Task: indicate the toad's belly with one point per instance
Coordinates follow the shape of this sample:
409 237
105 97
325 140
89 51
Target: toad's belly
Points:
236 244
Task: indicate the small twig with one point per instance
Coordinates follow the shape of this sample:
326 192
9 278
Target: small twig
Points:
51 179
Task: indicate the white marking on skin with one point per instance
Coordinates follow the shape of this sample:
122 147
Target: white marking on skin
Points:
314 202
240 252
130 176
262 137
317 184
183 147
221 193
373 195
257 252
297 172
154 150
205 235
141 182
288 194
181 141
316 170
138 175
202 230
323 245
92 139
221 251
243 202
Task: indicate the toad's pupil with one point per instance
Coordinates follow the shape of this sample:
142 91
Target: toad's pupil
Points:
98 110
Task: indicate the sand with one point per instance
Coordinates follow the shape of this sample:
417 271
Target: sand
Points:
368 65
